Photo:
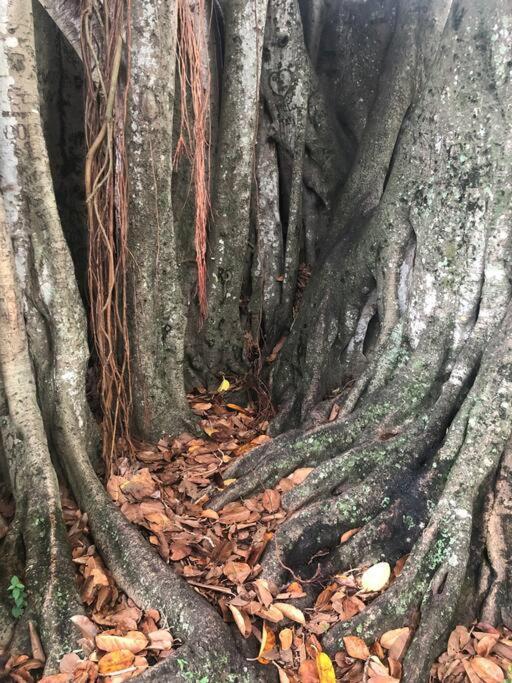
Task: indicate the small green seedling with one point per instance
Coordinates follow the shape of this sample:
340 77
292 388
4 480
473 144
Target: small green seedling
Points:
17 591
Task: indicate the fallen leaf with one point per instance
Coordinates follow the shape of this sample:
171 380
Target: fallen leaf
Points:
286 638
237 572
223 386
488 671
86 626
35 643
283 676
395 641
376 577
268 643
348 534
53 678
201 407
308 672
69 662
271 500
290 612
485 646
239 620
263 593
325 668
115 661
134 641
141 485
160 640
356 647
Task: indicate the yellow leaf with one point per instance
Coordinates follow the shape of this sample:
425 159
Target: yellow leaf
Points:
115 661
223 386
290 612
375 577
228 482
268 643
325 668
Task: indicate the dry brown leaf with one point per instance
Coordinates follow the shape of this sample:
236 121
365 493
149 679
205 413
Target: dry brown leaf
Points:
271 500
396 642
272 614
458 640
290 612
160 640
356 647
237 572
69 663
115 661
300 475
239 620
348 534
283 676
308 672
52 678
473 678
201 407
286 638
485 646
87 627
263 592
488 671
134 641
140 485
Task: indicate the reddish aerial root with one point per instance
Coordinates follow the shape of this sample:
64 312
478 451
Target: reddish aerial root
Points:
105 38
194 135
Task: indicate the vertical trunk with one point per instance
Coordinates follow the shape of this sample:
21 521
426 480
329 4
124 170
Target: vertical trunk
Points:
233 180
157 312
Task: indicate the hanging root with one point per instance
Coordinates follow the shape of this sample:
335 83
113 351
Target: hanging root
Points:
106 187
194 77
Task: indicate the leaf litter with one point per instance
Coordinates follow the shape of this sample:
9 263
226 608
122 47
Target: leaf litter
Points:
219 554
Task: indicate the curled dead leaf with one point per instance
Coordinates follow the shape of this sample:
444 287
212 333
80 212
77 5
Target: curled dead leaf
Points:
290 612
242 621
308 672
268 643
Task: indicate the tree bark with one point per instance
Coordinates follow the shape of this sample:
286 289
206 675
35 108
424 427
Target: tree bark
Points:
157 317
